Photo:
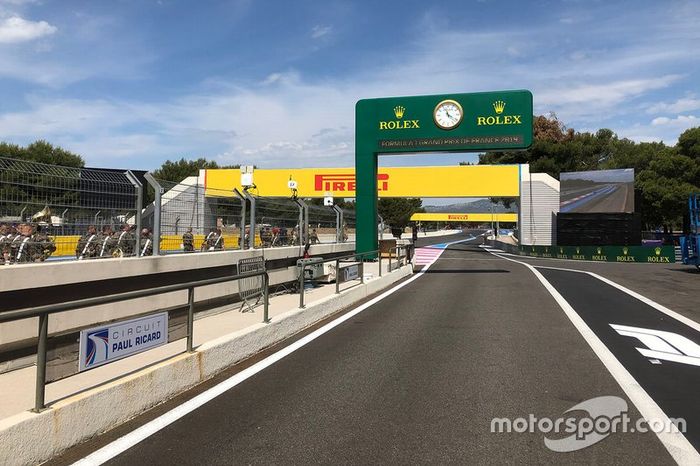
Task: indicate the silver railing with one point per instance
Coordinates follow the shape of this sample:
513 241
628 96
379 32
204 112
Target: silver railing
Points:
43 312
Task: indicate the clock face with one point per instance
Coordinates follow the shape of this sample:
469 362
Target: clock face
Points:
448 114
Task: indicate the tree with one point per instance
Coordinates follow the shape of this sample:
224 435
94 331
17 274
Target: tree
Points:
181 169
397 212
42 152
689 143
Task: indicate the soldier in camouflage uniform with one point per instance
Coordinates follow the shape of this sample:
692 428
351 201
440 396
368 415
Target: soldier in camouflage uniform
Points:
5 238
146 243
43 246
33 247
88 245
214 241
12 241
107 242
188 241
125 242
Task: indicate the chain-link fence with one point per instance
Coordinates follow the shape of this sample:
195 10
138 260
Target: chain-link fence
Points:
49 212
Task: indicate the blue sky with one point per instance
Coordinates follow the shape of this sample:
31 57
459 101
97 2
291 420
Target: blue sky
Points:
130 84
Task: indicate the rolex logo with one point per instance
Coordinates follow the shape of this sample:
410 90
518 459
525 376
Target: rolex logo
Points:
499 106
599 250
398 111
625 250
657 251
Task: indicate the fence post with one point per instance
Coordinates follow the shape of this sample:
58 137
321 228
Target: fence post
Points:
266 298
156 212
241 235
338 224
251 238
39 398
362 270
390 254
301 284
380 263
190 319
139 209
337 276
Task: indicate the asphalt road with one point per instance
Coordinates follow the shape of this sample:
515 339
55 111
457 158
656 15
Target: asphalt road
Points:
613 197
418 377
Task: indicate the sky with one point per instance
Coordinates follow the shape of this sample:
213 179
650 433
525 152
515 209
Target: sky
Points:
132 83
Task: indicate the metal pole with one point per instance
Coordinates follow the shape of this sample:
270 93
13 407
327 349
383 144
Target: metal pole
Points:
301 218
362 271
337 276
156 212
251 239
390 254
301 284
190 319
39 399
380 264
381 227
139 209
338 226
266 298
243 209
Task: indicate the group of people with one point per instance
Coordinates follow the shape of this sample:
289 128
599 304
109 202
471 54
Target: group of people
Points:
214 241
109 243
24 243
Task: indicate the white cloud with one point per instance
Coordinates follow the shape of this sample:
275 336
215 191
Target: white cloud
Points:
685 104
680 122
319 31
16 29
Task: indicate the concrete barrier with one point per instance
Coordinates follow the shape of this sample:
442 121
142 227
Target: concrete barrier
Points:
30 438
53 278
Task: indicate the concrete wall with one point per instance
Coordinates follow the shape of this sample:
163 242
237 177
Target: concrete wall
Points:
50 275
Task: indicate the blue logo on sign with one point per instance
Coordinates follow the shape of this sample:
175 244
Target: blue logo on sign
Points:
97 346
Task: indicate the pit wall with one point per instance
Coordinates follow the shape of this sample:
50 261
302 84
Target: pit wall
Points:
648 254
31 438
25 285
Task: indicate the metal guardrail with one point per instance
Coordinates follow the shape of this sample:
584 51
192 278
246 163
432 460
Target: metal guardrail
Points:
42 312
377 253
252 287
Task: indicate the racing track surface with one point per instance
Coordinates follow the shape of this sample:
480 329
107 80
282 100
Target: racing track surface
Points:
417 378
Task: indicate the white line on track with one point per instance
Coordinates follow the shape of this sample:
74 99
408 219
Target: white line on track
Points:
122 444
675 442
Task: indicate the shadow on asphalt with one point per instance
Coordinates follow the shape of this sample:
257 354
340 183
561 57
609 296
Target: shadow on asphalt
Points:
467 271
690 269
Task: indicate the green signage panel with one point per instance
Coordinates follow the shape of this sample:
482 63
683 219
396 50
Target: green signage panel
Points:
448 122
474 122
656 255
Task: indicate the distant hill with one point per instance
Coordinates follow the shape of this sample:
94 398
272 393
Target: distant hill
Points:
473 207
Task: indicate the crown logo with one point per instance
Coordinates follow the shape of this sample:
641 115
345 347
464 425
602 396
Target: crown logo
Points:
657 251
398 111
625 250
561 250
499 106
599 250
578 250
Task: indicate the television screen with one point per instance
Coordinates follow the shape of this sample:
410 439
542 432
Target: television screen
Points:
601 191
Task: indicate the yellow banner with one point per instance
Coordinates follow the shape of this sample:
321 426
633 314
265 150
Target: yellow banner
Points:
457 181
481 217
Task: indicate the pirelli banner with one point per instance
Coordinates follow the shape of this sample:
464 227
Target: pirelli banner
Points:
482 217
455 181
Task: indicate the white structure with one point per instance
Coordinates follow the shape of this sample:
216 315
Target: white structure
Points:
539 204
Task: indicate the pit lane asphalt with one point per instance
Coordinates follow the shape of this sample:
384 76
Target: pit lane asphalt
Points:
416 378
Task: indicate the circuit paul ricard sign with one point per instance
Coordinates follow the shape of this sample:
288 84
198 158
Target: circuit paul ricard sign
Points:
473 122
